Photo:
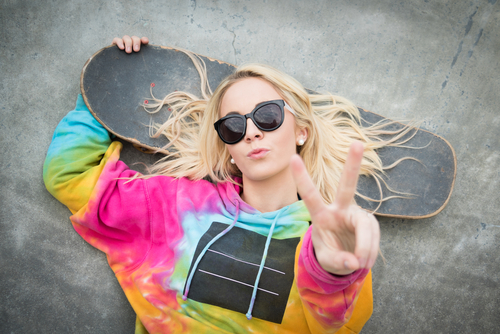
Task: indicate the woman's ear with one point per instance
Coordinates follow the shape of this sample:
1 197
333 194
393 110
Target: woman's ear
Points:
302 135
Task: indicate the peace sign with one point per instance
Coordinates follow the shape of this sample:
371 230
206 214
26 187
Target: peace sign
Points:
345 237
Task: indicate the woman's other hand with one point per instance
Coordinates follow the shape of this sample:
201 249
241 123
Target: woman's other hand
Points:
128 43
345 237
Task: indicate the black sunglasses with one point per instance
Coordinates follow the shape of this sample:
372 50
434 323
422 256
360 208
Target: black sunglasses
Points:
267 116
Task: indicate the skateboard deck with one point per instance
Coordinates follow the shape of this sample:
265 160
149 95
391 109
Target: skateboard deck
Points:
115 86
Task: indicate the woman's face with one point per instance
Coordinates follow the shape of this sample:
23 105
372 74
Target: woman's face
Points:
260 155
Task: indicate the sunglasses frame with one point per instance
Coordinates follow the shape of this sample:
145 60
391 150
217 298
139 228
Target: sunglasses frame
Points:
281 103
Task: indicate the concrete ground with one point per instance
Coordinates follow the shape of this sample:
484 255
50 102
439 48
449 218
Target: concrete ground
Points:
435 61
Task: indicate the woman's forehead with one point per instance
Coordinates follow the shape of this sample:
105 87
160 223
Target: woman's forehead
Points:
245 94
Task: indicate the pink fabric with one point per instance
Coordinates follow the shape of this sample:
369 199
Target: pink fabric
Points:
324 278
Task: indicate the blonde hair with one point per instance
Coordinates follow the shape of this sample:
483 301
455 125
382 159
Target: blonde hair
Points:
333 123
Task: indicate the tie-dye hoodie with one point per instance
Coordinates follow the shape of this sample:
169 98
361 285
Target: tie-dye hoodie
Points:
192 257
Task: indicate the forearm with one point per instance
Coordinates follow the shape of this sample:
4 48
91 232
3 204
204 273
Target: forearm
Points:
328 299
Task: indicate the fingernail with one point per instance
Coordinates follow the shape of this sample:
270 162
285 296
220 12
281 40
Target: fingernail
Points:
128 49
346 264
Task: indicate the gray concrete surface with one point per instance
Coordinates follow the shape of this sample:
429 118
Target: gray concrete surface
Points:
435 61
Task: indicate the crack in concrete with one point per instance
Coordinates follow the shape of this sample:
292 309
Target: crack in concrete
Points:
234 49
469 24
458 52
482 24
224 25
483 20
467 29
469 54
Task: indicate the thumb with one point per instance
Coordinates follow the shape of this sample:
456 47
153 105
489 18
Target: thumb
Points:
336 261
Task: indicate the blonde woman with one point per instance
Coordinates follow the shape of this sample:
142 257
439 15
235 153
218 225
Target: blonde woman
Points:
273 244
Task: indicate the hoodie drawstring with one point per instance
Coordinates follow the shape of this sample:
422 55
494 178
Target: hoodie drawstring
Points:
261 267
200 256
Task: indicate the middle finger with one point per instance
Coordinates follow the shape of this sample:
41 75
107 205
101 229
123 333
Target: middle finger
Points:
136 43
349 177
127 41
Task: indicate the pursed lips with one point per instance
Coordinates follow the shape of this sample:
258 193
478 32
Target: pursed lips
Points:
257 153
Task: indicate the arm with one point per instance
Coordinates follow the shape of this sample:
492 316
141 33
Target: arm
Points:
339 248
83 171
329 300
75 157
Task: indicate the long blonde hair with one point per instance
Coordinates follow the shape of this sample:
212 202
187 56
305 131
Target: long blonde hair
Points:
333 123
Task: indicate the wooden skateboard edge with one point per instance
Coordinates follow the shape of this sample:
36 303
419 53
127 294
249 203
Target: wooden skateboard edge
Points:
221 62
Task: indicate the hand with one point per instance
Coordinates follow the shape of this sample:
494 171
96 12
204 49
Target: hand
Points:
345 237
128 43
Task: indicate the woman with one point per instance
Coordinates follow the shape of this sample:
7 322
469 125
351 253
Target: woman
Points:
242 254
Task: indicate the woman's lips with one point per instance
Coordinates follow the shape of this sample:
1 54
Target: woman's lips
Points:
258 153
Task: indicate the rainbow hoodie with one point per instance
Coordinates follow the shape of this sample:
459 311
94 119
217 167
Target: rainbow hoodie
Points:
191 256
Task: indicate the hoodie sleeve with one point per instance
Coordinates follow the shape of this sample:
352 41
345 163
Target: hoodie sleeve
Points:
329 300
83 172
79 150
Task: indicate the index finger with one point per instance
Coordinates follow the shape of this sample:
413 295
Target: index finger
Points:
349 177
305 186
118 42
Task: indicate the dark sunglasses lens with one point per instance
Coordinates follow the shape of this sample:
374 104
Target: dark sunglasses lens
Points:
232 129
268 117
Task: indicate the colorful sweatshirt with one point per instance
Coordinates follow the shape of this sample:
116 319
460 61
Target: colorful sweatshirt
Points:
191 256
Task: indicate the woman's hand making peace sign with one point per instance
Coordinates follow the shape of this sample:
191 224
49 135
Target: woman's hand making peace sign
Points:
345 237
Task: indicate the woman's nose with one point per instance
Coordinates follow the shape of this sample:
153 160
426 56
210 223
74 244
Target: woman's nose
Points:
253 131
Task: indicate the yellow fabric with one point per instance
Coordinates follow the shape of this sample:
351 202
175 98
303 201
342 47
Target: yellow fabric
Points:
363 309
361 314
139 327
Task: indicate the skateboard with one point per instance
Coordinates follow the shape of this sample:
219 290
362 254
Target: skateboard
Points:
115 85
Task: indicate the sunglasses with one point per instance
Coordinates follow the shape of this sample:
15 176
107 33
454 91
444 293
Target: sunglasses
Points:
267 116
